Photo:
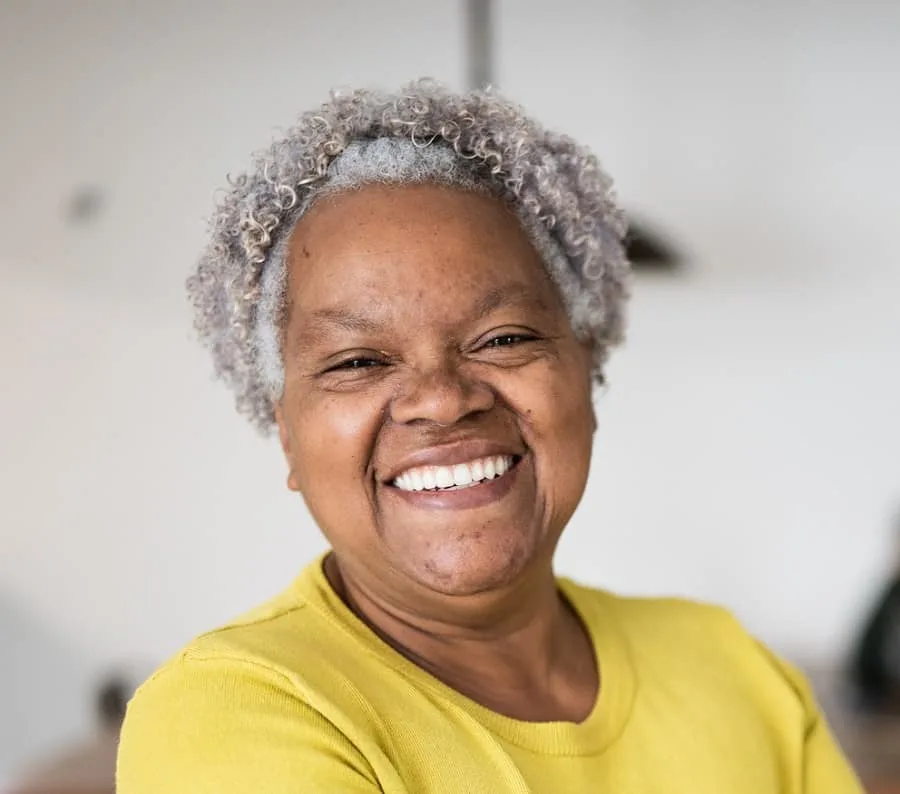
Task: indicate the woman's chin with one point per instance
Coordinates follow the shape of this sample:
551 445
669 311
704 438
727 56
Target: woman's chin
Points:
469 568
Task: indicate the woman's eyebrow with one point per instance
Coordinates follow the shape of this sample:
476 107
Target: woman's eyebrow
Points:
345 318
510 294
321 325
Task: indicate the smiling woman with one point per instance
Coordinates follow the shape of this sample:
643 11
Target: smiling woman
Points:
418 291
426 342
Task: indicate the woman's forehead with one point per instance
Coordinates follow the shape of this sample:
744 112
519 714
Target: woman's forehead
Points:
394 216
427 244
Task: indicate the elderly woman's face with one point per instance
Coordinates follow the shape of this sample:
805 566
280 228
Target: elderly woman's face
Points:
437 412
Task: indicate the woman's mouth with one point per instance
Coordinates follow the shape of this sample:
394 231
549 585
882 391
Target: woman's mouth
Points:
456 477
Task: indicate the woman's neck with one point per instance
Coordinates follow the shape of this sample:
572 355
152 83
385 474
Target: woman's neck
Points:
524 654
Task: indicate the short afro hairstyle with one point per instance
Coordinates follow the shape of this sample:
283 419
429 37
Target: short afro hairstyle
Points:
476 141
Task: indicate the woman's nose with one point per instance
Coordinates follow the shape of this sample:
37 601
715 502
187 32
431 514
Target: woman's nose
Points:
442 395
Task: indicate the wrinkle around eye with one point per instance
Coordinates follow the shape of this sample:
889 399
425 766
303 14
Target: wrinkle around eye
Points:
519 353
346 377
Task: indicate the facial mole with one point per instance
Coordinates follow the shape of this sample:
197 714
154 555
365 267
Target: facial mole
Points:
306 253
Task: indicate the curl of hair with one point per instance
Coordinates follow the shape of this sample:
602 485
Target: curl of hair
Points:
477 141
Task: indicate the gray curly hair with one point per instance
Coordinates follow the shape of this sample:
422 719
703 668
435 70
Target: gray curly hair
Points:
424 133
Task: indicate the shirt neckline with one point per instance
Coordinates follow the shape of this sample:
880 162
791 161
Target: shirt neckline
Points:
603 725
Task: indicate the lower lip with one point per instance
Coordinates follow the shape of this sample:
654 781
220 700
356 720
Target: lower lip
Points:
479 495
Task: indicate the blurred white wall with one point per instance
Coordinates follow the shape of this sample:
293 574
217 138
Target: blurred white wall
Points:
748 444
748 449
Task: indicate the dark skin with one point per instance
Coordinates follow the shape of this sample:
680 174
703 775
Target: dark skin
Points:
421 322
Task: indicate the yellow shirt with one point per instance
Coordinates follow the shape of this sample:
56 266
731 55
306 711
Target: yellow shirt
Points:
301 697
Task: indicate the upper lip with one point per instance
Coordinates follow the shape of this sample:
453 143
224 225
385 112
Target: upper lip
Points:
451 454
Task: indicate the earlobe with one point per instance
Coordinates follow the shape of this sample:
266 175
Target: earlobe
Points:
587 349
285 438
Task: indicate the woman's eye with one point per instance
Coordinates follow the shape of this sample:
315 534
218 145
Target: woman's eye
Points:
504 340
355 363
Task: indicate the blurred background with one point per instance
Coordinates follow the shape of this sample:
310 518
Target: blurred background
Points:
749 443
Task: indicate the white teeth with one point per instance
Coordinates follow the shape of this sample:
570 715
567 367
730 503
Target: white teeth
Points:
443 477
477 467
461 475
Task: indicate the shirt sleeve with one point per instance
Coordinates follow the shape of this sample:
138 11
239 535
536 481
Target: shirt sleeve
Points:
826 770
224 727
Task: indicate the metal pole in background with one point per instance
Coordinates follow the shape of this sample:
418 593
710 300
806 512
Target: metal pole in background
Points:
479 43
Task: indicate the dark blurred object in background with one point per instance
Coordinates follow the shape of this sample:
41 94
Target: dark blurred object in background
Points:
875 666
112 700
90 767
648 251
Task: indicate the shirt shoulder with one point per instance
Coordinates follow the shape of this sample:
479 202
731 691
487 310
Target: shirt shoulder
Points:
699 658
696 646
258 635
653 622
212 721
261 687
295 641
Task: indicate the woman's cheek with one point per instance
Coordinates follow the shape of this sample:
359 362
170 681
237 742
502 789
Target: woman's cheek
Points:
337 435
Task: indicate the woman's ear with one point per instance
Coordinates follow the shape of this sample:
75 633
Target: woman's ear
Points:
284 436
587 348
